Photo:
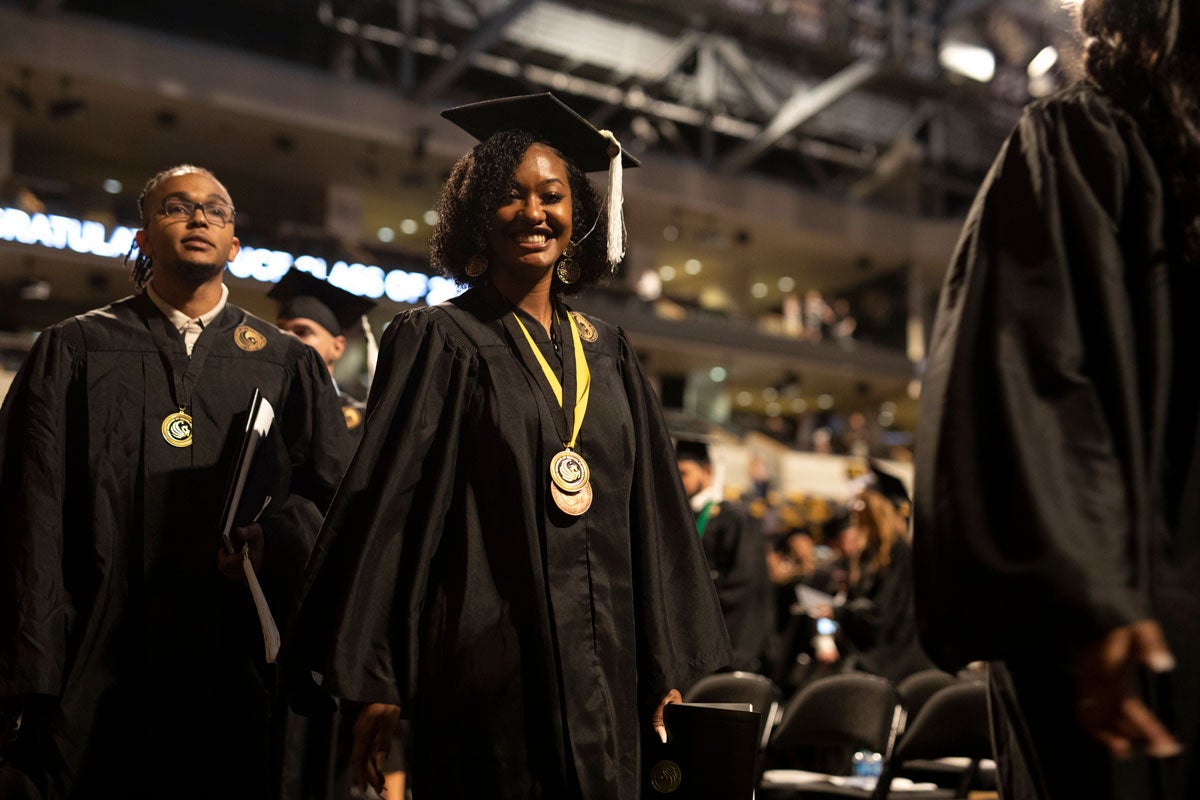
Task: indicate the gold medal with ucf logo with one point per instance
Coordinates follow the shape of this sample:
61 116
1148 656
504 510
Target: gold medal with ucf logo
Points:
569 471
177 429
570 476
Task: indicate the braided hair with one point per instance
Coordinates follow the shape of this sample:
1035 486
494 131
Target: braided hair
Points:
1145 56
143 265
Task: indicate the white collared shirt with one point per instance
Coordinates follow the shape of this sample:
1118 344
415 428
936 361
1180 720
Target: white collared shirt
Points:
190 328
705 496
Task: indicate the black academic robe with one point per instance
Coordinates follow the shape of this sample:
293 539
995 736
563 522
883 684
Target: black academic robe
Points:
528 648
878 621
141 667
1056 493
737 558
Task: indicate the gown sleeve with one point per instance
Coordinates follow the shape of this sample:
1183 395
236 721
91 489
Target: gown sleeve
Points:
40 411
1027 502
366 578
318 448
681 634
319 445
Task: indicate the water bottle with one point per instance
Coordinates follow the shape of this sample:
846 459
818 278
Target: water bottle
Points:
867 764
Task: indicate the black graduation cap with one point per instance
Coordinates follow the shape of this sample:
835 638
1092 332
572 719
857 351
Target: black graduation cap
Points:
548 117
300 294
689 449
889 486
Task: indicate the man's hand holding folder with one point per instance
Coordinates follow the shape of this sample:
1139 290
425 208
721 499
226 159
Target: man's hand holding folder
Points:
255 482
249 537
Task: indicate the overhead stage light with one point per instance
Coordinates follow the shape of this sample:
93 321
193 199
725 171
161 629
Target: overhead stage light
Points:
1043 62
969 60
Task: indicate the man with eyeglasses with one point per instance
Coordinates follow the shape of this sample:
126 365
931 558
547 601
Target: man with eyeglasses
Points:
130 648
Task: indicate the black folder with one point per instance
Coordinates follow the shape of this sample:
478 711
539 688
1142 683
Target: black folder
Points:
710 754
258 477
258 474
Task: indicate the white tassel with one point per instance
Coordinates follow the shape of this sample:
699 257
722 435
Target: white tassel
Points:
266 621
615 202
372 350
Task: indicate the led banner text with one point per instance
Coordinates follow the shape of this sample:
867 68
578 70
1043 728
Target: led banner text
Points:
257 263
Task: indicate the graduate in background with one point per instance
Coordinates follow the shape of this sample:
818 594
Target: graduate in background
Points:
511 562
1057 526
876 618
737 557
129 643
321 315
317 748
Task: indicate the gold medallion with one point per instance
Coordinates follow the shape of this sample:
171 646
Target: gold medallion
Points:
177 429
666 777
573 503
353 417
249 339
569 471
587 331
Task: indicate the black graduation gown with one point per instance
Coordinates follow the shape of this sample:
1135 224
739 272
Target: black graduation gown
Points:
139 663
879 622
737 558
527 648
1057 444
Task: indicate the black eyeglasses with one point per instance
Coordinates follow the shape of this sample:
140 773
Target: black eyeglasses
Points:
219 214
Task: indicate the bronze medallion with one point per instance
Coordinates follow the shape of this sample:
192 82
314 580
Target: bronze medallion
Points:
574 503
177 429
587 331
249 339
666 777
569 471
353 417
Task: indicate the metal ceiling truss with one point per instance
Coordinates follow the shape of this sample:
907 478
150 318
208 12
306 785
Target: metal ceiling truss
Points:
743 105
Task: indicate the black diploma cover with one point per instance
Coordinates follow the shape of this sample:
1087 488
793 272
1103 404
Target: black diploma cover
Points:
710 754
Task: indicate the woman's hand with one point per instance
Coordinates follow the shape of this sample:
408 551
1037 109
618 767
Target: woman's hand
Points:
673 696
372 740
1106 710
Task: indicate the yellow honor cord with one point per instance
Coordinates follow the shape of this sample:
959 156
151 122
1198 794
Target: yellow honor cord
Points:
583 376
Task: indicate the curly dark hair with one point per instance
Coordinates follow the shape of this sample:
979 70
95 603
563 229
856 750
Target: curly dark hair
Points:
1145 56
479 185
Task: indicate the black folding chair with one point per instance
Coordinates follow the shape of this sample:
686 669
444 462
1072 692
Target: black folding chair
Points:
916 689
741 687
953 723
839 713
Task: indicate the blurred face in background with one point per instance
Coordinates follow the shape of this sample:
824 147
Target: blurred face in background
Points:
315 335
801 547
696 476
854 540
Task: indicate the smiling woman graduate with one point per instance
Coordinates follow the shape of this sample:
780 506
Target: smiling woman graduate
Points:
511 560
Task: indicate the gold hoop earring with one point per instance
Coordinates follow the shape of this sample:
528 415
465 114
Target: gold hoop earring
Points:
566 269
477 265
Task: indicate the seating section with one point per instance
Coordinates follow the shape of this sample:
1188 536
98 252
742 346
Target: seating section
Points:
932 733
